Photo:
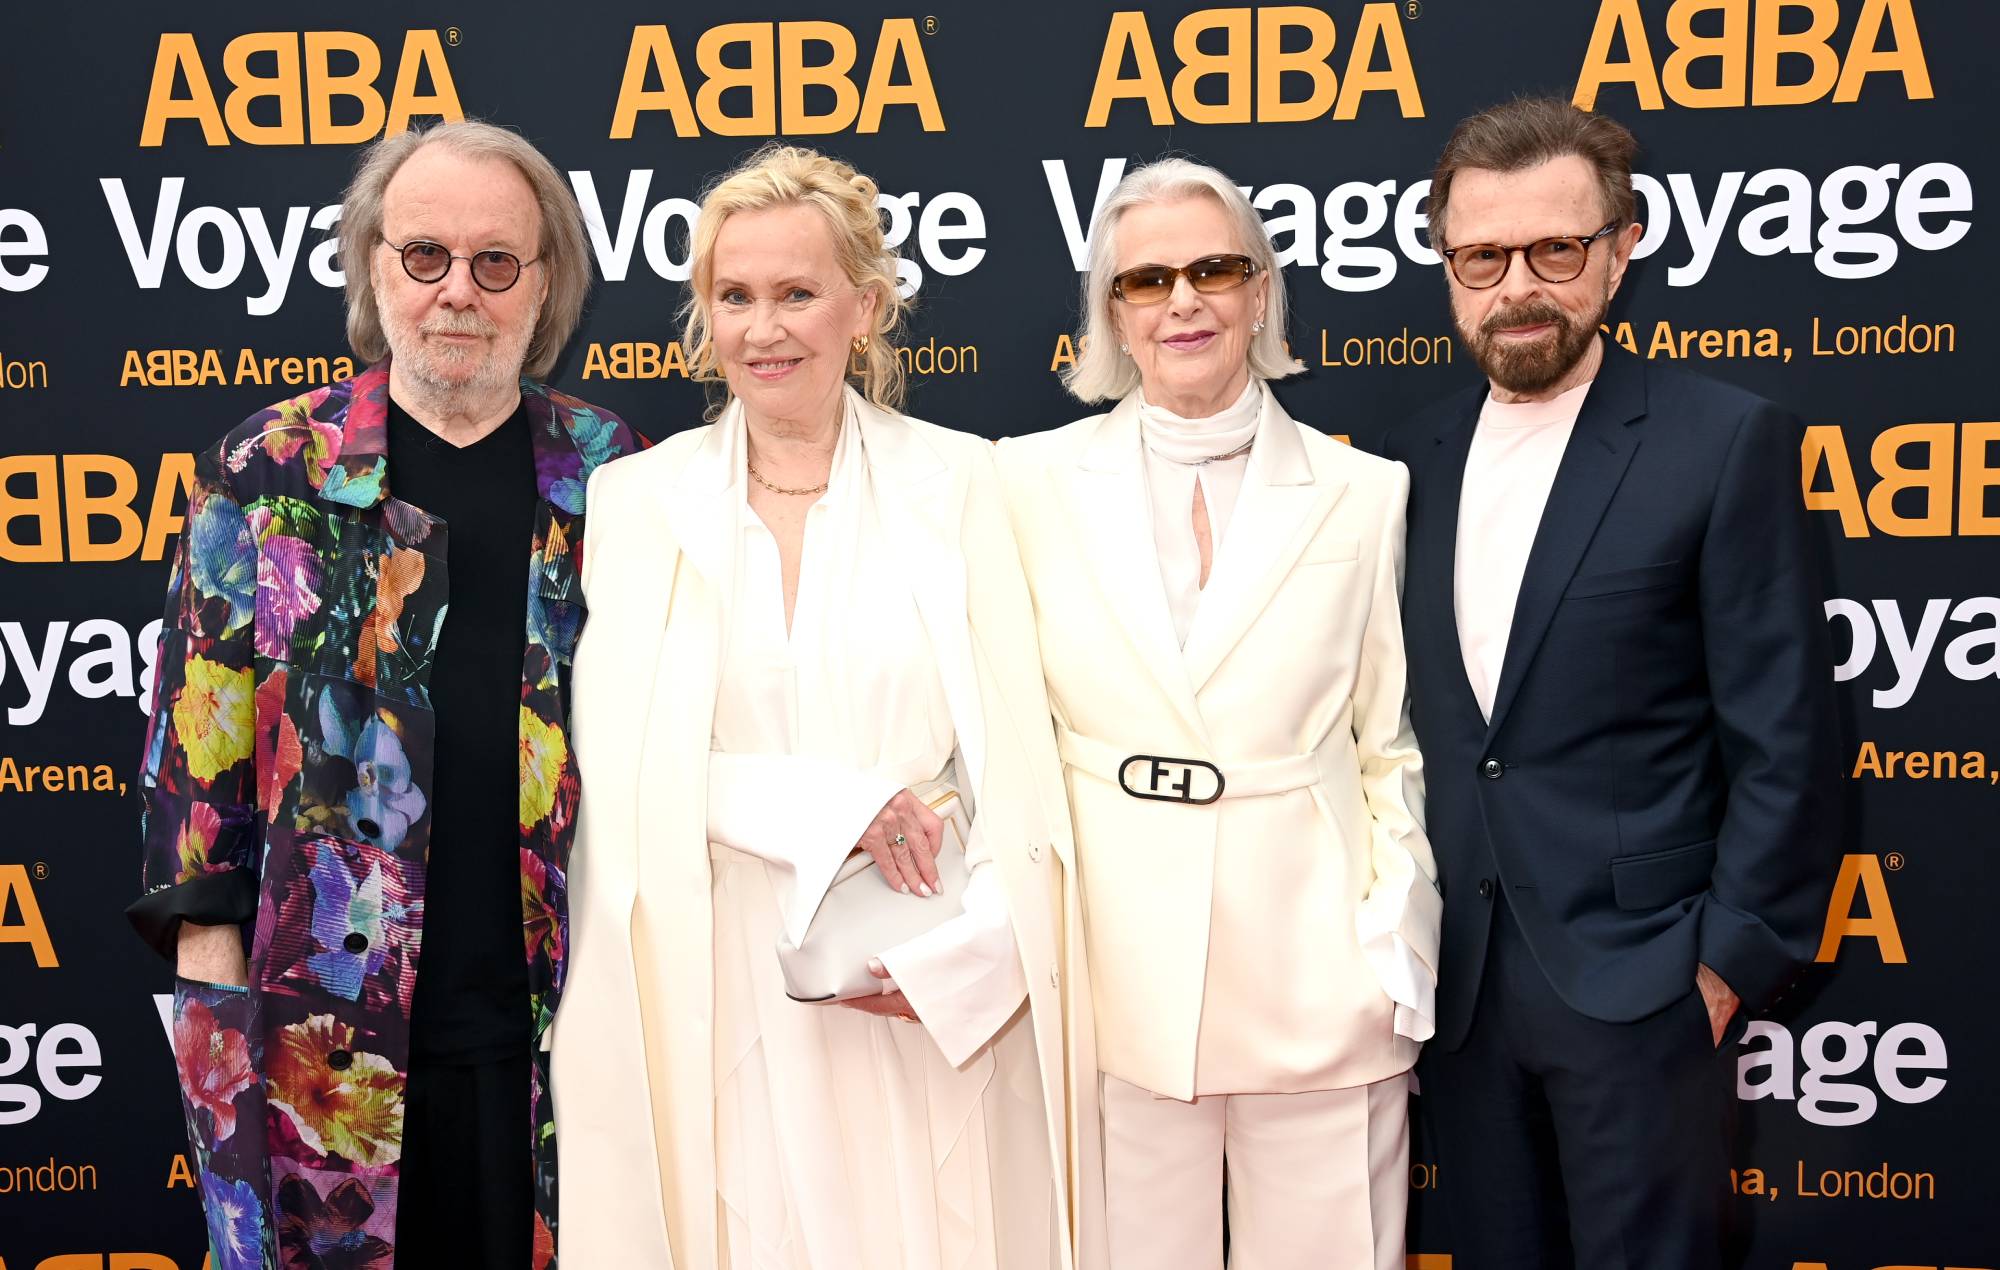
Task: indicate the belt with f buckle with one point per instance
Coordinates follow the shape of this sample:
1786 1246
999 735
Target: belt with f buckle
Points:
1160 779
1191 781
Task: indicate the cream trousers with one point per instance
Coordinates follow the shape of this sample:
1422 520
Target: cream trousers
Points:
1316 1181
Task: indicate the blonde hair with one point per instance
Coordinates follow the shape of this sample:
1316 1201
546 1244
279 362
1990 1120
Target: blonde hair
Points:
792 176
563 256
1101 372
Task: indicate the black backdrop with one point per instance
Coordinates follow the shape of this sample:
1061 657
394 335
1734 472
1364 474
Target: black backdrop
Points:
1809 185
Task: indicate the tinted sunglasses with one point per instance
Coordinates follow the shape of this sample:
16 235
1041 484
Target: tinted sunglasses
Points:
427 261
1152 284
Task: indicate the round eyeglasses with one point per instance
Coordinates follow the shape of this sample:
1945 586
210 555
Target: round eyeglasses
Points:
429 262
1152 284
1558 259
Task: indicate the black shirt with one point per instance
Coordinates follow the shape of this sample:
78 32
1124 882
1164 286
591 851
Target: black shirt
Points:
471 1001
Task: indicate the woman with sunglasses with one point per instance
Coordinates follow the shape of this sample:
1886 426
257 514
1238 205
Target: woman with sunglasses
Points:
1217 594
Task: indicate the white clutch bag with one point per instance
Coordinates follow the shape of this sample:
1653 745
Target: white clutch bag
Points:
861 917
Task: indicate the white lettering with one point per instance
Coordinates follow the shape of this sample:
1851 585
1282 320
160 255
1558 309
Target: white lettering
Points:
103 667
33 242
1831 1051
241 234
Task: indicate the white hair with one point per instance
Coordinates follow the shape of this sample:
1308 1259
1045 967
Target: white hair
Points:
1103 373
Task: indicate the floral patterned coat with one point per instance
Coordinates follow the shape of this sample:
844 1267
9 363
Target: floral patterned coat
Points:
286 781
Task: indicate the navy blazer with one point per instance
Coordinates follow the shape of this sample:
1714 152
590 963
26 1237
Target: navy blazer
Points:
1658 785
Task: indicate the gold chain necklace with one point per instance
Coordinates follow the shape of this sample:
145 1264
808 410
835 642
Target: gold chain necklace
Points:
820 488
758 477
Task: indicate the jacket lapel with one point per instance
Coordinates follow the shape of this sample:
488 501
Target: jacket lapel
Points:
701 506
920 507
1113 520
1433 589
355 473
1280 507
1600 449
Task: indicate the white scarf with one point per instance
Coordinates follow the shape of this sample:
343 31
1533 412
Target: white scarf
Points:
1180 454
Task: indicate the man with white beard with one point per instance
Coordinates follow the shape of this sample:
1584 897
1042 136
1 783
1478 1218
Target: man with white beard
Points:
359 795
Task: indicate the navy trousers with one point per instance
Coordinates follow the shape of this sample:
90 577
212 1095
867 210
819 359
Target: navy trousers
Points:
1563 1140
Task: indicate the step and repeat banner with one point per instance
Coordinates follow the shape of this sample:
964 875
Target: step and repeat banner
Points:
1810 186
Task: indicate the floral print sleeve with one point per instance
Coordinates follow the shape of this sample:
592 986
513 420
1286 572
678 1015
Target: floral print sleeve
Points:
198 773
287 783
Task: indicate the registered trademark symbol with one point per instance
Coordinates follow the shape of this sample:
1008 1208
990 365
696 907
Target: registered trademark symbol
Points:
930 26
1893 861
41 871
1412 9
451 34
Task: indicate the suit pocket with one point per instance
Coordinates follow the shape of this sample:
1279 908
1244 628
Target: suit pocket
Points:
1332 551
1656 879
1620 581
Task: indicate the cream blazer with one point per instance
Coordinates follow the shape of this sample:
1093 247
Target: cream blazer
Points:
635 1094
1283 937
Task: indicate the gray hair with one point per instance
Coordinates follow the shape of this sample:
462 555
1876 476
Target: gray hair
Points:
564 255
1101 372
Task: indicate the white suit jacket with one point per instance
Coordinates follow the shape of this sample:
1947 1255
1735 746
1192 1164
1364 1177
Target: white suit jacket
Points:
635 1095
1282 937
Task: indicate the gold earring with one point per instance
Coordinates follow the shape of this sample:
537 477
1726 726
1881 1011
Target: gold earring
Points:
861 346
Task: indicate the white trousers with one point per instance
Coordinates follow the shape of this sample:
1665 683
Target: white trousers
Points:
1316 1181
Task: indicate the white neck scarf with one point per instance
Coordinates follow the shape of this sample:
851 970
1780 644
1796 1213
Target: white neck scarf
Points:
1190 441
1180 454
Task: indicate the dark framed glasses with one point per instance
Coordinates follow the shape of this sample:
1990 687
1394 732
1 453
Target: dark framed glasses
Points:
1151 284
1559 259
426 261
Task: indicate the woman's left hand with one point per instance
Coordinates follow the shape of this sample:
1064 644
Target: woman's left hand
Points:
890 1004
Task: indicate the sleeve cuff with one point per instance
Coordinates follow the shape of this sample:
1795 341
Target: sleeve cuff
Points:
1399 933
213 899
1748 956
964 977
800 815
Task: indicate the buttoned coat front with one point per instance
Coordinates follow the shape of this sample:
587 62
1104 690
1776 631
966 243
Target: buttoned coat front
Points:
1244 945
635 1076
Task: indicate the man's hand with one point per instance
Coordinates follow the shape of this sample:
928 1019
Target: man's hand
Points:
212 954
1722 1003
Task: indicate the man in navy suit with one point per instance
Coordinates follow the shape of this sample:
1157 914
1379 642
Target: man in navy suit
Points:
1621 685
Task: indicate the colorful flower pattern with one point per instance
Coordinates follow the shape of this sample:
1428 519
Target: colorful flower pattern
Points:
291 740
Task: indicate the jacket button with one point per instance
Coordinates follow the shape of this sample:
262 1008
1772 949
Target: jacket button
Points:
339 1060
1055 979
1034 853
355 942
1486 888
1492 769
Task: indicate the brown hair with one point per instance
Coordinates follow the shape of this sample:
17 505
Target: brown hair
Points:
563 251
1529 131
780 175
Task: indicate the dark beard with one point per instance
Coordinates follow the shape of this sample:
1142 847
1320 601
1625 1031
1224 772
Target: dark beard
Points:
1538 366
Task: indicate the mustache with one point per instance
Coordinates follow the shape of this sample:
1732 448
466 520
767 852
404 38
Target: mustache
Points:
458 324
1533 313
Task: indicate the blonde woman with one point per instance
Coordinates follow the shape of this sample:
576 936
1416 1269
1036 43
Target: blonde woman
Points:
1217 587
801 613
